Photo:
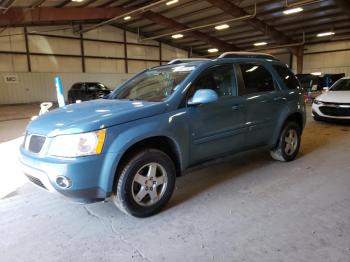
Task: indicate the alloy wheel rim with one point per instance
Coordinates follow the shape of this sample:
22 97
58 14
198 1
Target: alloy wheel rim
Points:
149 184
291 140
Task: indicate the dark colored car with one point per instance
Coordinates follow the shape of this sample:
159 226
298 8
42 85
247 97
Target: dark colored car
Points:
132 145
87 91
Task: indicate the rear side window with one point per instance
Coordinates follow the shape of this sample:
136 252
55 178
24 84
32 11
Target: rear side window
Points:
287 77
256 79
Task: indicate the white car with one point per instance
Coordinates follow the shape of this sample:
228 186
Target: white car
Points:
334 104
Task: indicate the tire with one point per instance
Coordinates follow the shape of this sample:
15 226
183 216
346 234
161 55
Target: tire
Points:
287 151
146 183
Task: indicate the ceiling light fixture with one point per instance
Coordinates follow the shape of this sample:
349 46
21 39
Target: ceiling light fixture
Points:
177 36
127 18
325 34
172 2
213 50
260 44
316 73
222 27
79 1
293 11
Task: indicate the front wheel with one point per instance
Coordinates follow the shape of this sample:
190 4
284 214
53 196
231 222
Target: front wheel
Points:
288 144
145 184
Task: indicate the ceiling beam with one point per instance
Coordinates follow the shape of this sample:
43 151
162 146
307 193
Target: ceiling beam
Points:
6 5
176 26
28 16
107 3
63 4
230 8
38 3
87 3
344 5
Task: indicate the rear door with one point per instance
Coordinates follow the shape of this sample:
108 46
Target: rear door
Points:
218 127
262 99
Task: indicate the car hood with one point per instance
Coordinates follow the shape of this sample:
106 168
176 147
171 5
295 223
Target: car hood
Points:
335 97
92 115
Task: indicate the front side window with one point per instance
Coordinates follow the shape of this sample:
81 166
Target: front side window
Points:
156 84
79 87
287 77
218 78
256 79
341 85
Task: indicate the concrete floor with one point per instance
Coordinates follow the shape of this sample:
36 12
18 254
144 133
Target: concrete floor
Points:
243 208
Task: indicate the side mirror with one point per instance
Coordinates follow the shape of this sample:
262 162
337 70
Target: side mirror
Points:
203 96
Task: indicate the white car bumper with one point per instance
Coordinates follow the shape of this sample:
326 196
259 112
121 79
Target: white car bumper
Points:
331 110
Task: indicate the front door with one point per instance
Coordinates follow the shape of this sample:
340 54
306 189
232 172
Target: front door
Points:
216 128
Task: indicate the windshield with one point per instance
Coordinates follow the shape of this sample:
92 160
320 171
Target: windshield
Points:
341 85
156 84
102 87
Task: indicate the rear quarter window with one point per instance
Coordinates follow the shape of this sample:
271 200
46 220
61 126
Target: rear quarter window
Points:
287 77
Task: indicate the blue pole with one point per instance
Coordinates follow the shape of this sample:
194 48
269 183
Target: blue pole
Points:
59 91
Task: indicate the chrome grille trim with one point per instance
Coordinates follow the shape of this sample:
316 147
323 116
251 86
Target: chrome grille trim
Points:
34 143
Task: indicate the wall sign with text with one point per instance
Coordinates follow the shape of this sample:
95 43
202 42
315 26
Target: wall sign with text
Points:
11 79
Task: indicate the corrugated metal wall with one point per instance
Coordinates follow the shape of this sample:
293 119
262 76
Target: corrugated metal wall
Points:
52 55
331 57
39 87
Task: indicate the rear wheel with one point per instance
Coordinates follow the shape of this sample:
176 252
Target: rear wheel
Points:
145 184
289 143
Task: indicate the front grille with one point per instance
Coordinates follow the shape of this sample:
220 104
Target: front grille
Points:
335 104
36 181
36 143
335 111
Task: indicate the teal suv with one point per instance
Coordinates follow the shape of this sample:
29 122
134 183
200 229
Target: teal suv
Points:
131 145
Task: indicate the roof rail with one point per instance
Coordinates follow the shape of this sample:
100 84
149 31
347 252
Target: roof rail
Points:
186 60
247 55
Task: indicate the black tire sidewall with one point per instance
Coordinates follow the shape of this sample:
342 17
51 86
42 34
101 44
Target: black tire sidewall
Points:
124 188
282 144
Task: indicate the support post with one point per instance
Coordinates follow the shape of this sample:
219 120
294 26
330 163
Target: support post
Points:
126 53
300 60
82 50
27 49
160 53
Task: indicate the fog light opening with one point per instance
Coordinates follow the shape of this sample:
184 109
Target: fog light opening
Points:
63 182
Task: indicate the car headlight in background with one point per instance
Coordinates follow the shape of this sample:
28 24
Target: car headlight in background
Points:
75 145
317 102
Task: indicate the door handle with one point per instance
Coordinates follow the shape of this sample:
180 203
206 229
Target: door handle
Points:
236 107
278 98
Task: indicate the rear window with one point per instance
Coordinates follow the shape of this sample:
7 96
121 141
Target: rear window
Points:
287 77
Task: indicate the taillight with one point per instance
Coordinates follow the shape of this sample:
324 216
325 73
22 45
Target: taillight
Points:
306 97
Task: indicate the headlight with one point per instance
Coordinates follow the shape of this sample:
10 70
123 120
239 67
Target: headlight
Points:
84 144
317 102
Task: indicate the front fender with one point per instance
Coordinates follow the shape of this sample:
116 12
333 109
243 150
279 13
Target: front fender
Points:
120 138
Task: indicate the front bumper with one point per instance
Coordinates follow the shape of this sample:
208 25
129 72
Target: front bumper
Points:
85 174
334 113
